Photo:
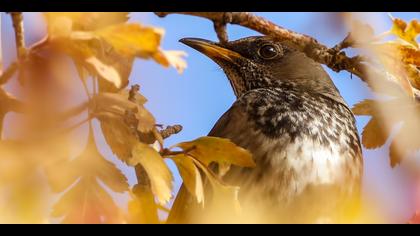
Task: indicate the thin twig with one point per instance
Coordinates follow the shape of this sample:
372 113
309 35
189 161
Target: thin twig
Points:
17 18
85 88
133 91
170 130
77 125
166 152
141 174
345 43
142 177
8 73
308 45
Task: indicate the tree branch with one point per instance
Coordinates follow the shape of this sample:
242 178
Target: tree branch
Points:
345 43
333 58
17 18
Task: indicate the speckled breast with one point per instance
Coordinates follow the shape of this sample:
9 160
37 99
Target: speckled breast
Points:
300 141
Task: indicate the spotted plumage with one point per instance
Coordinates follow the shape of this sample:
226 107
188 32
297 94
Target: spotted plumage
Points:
301 133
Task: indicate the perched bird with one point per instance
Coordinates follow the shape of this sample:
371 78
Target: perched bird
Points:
293 120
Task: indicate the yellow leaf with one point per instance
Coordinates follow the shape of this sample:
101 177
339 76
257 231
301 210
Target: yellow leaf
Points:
105 71
394 57
364 108
110 175
406 32
121 119
139 98
374 134
119 137
60 27
1 50
190 175
414 75
213 149
223 195
171 58
159 174
86 21
117 105
112 102
361 32
87 202
409 55
142 208
137 40
132 39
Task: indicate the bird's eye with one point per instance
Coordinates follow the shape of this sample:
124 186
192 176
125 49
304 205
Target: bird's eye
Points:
268 52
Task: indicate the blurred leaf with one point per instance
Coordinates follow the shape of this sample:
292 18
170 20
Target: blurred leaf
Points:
364 107
405 141
406 32
61 175
1 47
190 175
390 56
7 103
106 45
414 75
385 115
142 208
100 60
132 39
25 193
374 135
87 201
224 195
140 41
220 150
409 55
85 21
375 132
360 32
159 174
415 219
105 71
172 58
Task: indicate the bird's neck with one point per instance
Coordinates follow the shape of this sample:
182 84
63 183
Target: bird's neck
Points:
299 85
266 83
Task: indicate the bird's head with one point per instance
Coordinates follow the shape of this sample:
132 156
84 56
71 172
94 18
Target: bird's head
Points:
260 61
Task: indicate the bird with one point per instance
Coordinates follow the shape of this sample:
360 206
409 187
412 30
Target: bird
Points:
301 133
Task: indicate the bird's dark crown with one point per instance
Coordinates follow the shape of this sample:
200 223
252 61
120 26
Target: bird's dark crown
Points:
262 62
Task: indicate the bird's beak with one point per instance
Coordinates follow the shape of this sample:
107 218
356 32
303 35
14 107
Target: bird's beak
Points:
211 49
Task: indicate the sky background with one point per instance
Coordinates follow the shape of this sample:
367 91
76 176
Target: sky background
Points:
199 96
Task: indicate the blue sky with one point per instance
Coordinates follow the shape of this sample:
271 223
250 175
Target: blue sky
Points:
199 96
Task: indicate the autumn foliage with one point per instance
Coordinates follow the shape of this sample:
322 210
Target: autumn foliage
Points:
100 49
91 55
